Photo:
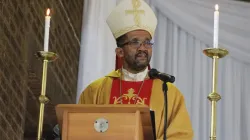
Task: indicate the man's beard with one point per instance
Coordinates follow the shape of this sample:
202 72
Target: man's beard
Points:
135 64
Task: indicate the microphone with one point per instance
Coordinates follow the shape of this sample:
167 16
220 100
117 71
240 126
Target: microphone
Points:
153 73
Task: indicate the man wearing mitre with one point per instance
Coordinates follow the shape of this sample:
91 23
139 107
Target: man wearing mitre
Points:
133 24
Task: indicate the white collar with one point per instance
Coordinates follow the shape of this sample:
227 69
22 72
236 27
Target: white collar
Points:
127 76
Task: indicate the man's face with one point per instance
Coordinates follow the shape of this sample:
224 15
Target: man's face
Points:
137 51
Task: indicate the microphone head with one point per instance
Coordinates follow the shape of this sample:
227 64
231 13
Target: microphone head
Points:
153 73
172 79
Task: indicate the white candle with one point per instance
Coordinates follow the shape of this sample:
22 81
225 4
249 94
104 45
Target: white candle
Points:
216 26
46 33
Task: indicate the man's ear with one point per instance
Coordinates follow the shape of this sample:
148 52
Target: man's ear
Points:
119 52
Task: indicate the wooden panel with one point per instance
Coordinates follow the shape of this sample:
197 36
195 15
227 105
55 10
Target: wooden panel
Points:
138 126
65 124
120 124
147 126
81 118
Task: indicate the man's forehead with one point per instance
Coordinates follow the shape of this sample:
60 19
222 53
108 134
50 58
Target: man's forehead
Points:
139 34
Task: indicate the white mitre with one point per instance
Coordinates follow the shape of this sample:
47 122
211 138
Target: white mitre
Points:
131 15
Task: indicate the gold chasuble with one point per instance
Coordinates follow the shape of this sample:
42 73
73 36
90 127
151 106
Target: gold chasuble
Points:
131 92
107 90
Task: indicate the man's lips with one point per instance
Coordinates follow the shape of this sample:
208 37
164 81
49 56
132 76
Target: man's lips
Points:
142 55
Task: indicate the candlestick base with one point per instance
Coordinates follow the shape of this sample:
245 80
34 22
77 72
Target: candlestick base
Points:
215 52
50 56
46 57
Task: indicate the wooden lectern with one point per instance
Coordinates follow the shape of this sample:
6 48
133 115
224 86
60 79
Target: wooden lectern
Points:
104 122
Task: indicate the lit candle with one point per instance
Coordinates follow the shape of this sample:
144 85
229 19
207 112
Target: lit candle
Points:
216 25
46 33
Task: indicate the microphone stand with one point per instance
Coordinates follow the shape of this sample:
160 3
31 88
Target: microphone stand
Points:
165 90
153 73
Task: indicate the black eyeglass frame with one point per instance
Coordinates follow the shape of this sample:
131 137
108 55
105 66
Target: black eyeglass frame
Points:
138 43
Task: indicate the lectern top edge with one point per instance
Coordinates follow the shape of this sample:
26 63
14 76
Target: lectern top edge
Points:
105 108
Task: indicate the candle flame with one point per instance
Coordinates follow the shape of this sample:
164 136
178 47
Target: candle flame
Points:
216 7
48 12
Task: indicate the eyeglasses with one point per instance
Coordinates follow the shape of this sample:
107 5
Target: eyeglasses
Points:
138 43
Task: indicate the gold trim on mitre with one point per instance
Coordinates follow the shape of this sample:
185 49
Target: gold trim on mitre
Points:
132 28
130 15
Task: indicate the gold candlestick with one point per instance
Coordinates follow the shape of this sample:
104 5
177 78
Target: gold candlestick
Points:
215 54
47 57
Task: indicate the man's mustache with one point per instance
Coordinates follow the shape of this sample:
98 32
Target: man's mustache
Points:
141 52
